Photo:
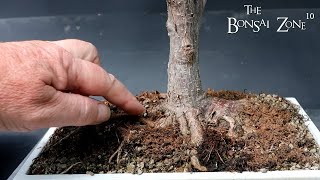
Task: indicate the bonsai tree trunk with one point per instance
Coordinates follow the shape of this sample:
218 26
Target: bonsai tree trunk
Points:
184 20
184 85
187 104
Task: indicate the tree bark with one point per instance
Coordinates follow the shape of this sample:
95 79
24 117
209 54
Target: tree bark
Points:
186 101
183 24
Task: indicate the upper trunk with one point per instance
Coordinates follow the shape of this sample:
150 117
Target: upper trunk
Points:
184 20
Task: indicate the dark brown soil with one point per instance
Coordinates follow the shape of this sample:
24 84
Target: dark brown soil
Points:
276 139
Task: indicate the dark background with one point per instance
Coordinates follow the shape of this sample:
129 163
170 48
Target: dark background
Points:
26 8
133 44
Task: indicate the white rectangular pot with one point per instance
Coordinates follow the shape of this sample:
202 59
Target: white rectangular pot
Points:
21 171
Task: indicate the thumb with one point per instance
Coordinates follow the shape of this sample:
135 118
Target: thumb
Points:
77 110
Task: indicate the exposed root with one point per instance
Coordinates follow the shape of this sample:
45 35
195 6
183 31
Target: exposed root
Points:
64 138
164 122
223 113
116 152
231 122
148 123
218 113
196 164
183 123
195 161
210 111
220 157
189 123
195 126
70 167
207 157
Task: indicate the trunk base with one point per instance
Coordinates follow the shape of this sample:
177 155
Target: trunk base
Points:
212 111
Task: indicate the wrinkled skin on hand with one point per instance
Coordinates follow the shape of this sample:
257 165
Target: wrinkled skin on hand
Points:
46 84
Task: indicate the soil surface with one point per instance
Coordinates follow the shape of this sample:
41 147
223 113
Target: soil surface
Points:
272 136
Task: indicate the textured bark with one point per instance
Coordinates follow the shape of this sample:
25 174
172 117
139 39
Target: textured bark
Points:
184 20
187 102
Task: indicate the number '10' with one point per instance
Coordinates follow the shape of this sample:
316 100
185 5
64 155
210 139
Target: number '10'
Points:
310 15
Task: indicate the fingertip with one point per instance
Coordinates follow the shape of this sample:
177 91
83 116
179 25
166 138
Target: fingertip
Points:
135 108
140 108
104 113
120 96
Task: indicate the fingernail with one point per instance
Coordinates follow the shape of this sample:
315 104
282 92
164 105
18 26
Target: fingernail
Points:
103 113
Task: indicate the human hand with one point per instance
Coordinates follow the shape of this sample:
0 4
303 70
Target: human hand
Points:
46 84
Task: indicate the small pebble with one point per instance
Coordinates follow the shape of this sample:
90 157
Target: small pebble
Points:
309 136
293 168
176 159
170 168
162 95
159 164
284 106
146 101
307 165
101 172
263 170
139 172
90 173
314 168
141 165
167 161
313 150
130 168
145 114
193 152
146 106
291 146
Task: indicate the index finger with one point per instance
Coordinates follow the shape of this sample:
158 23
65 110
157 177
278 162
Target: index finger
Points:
89 78
119 95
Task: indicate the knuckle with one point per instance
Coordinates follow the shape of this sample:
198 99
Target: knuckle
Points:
88 113
93 51
111 81
85 44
